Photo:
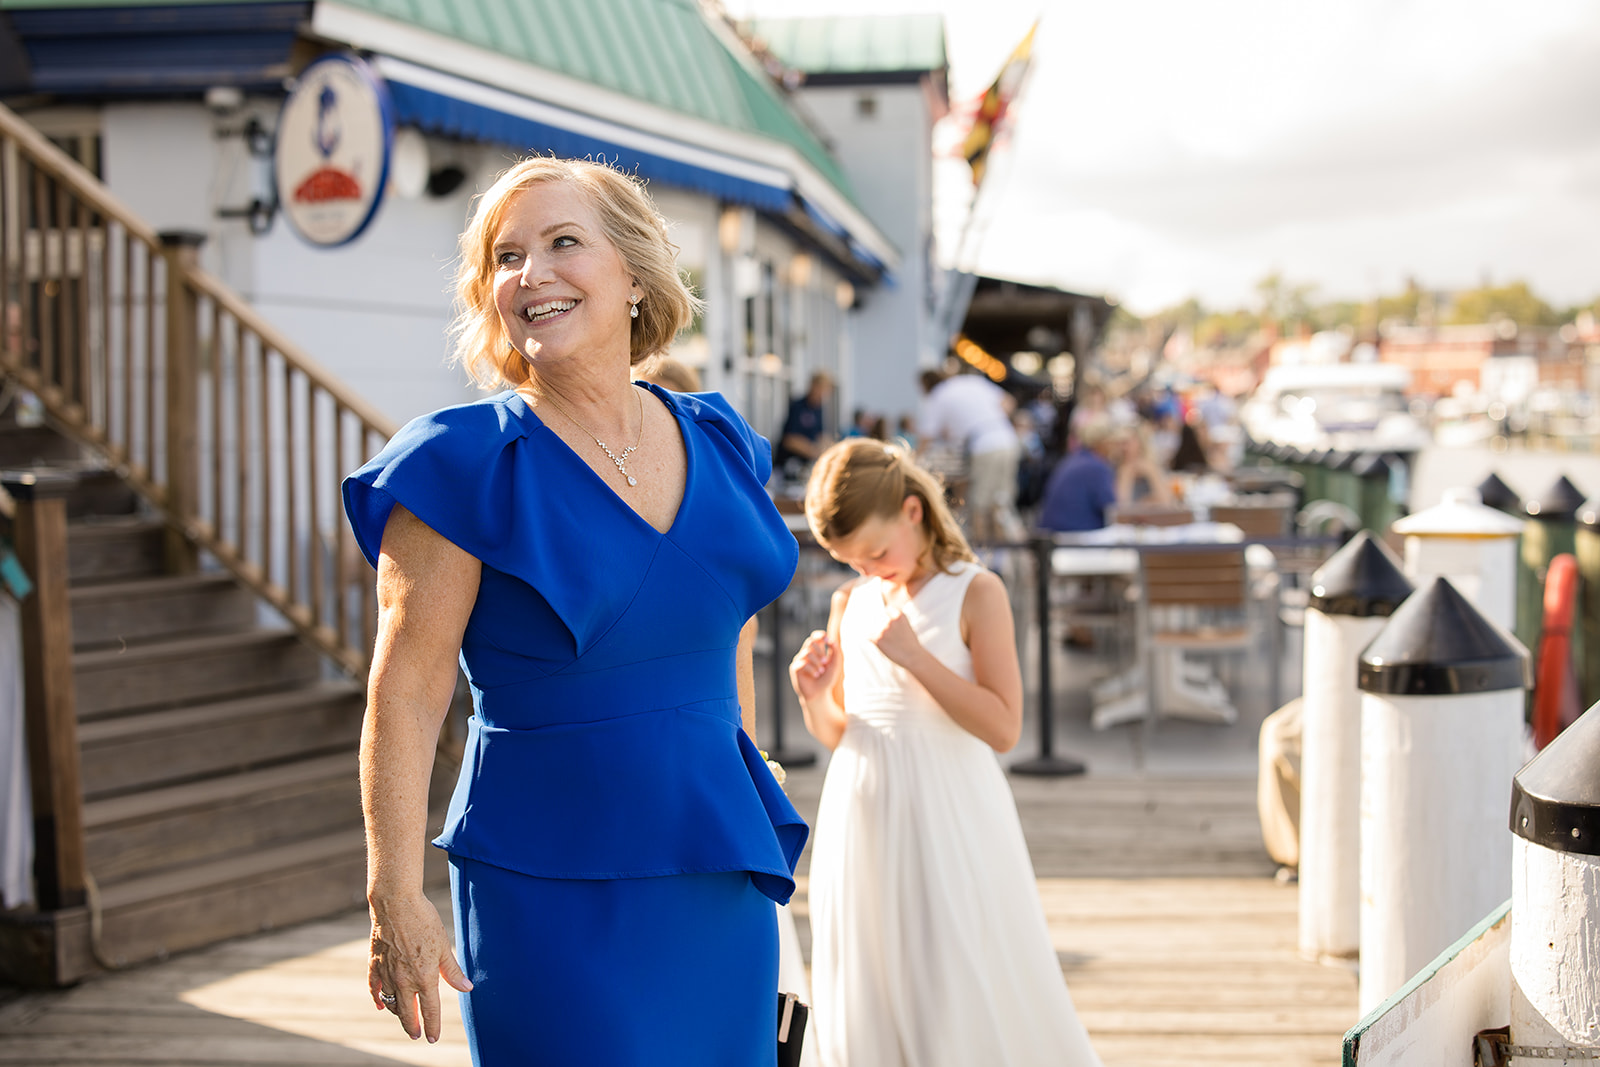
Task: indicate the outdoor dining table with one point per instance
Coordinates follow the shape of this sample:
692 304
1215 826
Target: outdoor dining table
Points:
1112 554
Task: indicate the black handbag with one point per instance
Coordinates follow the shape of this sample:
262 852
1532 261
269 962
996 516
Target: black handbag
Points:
792 1017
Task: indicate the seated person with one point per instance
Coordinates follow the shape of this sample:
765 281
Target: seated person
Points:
1082 487
1190 455
1140 478
802 439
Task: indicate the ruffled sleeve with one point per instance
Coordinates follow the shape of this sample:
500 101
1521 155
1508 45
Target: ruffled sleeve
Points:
444 468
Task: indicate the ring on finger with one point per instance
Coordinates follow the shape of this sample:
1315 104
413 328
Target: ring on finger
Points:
389 999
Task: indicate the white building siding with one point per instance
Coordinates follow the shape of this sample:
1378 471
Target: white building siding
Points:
375 313
886 148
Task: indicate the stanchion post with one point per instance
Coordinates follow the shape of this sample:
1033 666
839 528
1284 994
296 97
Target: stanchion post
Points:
1047 763
780 681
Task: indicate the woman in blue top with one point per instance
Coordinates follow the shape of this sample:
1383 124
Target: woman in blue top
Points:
594 551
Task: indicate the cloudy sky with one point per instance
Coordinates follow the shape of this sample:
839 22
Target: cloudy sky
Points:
1169 148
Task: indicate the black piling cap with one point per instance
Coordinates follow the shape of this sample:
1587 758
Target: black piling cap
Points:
1438 644
1498 495
1555 798
1362 579
1558 503
1370 465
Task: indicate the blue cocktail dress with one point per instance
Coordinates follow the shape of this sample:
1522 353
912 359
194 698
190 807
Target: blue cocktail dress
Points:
615 839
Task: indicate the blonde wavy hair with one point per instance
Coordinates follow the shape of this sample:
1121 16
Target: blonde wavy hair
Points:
632 225
860 479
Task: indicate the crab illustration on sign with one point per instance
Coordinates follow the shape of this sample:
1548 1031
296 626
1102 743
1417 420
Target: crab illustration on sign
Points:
331 160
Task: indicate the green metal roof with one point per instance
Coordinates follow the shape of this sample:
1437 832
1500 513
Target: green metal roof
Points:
868 44
662 52
659 51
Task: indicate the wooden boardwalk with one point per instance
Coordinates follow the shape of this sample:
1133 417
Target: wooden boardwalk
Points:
1177 944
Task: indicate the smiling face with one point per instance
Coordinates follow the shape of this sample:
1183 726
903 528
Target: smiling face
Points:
560 287
893 548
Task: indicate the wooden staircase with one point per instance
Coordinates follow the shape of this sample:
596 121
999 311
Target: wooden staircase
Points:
196 648
217 752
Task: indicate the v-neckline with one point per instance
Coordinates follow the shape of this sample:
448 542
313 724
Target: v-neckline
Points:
688 459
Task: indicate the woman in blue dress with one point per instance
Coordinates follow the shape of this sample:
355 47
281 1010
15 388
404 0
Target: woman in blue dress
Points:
593 551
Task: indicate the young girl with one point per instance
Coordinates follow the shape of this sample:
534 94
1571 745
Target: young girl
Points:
929 946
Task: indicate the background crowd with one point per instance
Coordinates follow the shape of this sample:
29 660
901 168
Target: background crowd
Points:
1035 459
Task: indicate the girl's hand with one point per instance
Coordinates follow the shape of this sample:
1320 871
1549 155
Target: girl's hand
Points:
410 953
898 641
815 668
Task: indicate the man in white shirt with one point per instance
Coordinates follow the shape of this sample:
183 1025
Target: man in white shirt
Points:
971 411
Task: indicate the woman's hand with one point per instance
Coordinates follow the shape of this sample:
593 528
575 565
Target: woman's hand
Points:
815 668
898 641
410 953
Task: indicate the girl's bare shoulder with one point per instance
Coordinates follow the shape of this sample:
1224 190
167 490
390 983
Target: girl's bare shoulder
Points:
987 591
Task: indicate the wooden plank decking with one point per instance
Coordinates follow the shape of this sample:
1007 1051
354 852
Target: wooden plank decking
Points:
1176 942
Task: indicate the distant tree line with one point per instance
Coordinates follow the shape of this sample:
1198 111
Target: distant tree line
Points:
1288 308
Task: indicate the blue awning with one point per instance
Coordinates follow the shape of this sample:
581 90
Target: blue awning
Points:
158 50
451 115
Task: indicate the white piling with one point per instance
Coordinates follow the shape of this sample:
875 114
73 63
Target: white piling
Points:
1472 545
1441 732
1352 596
1555 896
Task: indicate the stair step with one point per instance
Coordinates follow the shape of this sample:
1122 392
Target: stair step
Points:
145 609
99 493
190 670
148 918
180 744
112 548
139 834
22 447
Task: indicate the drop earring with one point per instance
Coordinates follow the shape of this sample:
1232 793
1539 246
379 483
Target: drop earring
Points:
633 308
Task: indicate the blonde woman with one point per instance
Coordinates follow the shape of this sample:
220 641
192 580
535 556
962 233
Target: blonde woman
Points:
592 551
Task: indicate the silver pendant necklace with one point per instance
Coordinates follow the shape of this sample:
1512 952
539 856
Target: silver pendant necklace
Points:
622 460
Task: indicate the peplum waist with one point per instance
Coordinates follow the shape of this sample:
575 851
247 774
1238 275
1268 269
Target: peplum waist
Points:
665 792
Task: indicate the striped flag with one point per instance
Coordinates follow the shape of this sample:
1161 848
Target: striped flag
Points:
997 100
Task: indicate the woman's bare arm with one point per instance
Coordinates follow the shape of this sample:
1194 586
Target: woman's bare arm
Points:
426 589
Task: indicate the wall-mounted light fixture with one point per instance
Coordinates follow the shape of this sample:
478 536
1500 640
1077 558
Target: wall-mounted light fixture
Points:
257 214
730 229
226 102
800 270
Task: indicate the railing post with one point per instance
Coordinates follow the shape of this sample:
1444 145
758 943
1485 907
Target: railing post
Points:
181 250
49 700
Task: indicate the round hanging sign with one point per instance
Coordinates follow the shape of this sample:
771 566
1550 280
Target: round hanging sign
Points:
331 157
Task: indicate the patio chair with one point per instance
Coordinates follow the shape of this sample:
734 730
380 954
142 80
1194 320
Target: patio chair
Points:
1267 516
1193 600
